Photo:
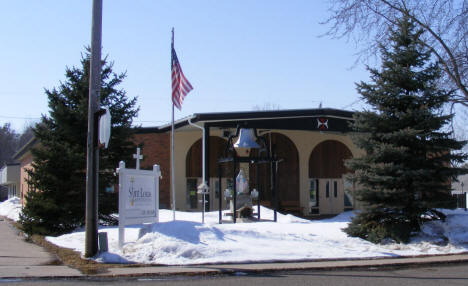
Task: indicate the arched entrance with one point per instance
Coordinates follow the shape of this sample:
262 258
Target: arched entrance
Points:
193 172
287 175
326 185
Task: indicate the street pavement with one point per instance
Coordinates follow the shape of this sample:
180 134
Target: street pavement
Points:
21 259
456 275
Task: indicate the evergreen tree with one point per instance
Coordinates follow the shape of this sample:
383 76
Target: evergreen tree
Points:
406 171
59 163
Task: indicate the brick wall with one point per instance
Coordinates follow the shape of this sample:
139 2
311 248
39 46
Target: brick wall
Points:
156 149
25 163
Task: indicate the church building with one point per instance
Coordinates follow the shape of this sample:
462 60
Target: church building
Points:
310 146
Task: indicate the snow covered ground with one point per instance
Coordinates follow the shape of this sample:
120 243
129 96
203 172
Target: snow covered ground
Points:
188 241
11 208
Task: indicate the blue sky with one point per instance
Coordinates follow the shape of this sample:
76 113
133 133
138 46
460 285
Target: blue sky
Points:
237 54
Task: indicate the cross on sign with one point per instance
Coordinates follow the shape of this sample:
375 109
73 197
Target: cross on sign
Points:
138 156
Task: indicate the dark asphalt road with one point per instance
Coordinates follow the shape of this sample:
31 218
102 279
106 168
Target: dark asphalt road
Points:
426 276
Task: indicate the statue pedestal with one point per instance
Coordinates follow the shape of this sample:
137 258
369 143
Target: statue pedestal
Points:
243 203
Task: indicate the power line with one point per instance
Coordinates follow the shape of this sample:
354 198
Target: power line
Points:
143 121
37 118
352 103
17 92
18 117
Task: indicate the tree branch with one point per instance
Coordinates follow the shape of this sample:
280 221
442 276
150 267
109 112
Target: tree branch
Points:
455 75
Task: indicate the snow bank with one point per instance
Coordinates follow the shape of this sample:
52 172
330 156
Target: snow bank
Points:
187 241
11 208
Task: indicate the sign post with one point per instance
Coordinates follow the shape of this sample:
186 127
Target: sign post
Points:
138 197
92 157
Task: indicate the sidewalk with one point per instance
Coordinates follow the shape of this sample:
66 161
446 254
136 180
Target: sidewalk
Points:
20 259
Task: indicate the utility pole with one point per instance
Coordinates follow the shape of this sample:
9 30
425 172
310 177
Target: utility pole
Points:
92 164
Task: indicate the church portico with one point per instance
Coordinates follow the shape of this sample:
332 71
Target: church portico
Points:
304 141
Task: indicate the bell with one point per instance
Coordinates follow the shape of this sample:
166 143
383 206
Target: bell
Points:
246 139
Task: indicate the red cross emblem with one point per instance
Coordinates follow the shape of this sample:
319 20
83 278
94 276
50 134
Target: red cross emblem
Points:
322 123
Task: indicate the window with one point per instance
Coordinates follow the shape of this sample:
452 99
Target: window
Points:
313 199
191 195
327 190
335 189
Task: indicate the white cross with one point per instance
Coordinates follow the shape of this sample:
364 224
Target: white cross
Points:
138 156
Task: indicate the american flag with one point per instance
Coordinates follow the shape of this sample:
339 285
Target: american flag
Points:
180 85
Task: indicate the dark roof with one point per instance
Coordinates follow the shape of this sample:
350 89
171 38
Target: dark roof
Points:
294 119
273 114
26 147
9 164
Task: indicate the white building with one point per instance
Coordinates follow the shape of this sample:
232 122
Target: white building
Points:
10 178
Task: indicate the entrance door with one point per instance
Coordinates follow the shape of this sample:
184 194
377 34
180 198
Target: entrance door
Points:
331 196
326 163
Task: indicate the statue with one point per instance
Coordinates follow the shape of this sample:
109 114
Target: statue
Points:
244 201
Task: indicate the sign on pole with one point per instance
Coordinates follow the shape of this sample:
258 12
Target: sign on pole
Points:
138 197
105 127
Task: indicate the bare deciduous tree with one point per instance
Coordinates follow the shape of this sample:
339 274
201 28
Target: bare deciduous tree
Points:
445 23
8 140
26 135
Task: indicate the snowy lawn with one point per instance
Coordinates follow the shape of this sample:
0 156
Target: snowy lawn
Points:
11 208
188 241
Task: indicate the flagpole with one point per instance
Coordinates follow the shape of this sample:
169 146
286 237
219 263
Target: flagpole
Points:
172 165
180 87
172 144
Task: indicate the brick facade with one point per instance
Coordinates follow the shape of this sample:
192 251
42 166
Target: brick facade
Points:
155 148
26 164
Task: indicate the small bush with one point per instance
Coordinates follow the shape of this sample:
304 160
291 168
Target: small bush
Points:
377 229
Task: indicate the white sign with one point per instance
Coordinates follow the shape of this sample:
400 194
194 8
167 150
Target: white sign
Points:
105 128
138 197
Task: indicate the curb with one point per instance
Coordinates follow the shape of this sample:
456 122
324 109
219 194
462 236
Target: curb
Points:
256 268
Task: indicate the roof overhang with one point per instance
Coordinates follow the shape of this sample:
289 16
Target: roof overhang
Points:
322 119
